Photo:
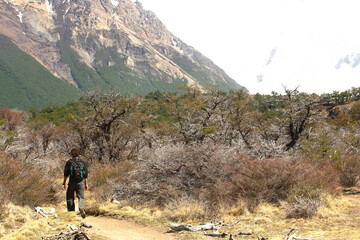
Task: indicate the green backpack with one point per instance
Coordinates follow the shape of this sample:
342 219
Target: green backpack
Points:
77 170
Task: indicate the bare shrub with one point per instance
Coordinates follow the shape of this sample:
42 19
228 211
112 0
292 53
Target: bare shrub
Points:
302 207
303 201
272 180
267 180
93 209
102 175
349 171
3 201
201 172
11 118
214 176
23 184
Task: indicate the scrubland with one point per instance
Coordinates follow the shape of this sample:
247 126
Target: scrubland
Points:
274 162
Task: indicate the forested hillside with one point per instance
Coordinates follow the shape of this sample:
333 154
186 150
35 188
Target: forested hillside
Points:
25 83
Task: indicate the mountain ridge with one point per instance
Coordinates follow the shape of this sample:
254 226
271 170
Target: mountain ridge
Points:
107 44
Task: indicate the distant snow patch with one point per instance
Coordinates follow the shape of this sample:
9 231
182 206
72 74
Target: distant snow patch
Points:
174 42
20 15
176 45
49 7
352 60
115 2
272 54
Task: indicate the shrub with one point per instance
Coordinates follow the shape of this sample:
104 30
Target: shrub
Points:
273 180
23 184
349 171
214 176
2 202
267 180
302 207
201 173
12 119
102 175
303 201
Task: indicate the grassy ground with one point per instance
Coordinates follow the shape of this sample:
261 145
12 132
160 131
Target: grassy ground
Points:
338 219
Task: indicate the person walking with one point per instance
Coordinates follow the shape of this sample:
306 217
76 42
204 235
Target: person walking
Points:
76 169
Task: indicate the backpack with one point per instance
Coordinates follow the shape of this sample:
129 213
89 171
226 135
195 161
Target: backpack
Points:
77 170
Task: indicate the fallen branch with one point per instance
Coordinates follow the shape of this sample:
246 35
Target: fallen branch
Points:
188 227
78 234
85 225
236 222
244 234
42 212
288 237
216 234
294 237
73 227
308 238
74 234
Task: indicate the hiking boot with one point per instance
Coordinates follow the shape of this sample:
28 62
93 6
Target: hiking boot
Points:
82 212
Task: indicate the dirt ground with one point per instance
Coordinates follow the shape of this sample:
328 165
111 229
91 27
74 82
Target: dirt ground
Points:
114 229
341 225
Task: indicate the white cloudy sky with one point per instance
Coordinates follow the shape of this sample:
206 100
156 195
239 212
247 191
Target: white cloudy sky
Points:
306 39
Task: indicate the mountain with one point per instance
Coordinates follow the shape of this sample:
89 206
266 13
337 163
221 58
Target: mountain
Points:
25 83
104 45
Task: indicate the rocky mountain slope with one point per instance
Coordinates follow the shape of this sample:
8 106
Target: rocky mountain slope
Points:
107 45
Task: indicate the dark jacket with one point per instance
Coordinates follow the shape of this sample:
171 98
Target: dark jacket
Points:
67 169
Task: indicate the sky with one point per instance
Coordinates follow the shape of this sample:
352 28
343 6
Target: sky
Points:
266 45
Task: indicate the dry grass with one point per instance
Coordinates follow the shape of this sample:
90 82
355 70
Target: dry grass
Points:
22 223
338 218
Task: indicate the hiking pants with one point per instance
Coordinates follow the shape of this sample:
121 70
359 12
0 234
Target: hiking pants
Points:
70 199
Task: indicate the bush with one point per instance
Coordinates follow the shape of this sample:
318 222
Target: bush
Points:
214 176
349 171
2 202
102 175
273 180
303 201
302 208
201 173
22 184
12 119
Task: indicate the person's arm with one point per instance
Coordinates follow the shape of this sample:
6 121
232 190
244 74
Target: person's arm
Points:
64 183
86 184
86 177
66 174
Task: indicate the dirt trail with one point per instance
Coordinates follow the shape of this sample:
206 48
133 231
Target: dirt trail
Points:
114 229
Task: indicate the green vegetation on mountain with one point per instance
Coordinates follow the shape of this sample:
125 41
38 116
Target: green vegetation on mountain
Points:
25 83
110 73
200 74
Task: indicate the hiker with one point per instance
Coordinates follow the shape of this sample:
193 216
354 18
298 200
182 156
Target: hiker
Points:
76 169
